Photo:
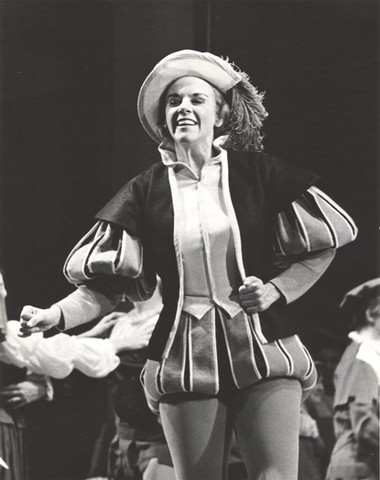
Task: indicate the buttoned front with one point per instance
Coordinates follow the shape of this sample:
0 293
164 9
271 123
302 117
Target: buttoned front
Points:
211 276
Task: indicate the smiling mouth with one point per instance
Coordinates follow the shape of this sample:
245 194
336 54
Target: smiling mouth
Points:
185 122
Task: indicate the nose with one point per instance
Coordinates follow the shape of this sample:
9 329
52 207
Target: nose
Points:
185 106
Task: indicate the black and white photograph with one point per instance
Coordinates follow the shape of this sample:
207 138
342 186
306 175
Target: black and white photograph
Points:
189 239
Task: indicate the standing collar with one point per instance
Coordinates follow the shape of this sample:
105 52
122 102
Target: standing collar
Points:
169 158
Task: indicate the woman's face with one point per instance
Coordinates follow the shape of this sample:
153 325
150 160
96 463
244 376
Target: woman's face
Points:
190 111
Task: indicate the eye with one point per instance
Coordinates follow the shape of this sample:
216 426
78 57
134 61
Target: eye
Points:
173 102
197 100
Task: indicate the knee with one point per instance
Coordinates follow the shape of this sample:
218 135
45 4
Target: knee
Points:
273 473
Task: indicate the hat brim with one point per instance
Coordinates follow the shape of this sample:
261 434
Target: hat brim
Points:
186 63
357 291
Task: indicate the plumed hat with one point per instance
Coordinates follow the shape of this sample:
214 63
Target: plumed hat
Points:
214 70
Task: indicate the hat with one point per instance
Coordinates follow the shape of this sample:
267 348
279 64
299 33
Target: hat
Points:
362 292
204 65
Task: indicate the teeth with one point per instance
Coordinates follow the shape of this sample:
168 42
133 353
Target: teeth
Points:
187 121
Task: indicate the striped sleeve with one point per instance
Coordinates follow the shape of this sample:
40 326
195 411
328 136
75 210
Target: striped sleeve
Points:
311 223
106 266
105 250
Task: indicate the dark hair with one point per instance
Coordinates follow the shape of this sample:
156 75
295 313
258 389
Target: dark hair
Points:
242 112
356 306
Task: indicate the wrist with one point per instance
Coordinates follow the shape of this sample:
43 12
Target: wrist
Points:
118 345
272 293
57 317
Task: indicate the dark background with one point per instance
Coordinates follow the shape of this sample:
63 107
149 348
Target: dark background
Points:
70 136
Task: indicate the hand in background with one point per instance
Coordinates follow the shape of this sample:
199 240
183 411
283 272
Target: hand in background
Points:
133 335
102 327
23 393
308 426
35 320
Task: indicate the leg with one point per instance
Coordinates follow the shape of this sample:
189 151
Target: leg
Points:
198 432
267 425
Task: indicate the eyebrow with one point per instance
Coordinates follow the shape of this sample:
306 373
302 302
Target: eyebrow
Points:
193 95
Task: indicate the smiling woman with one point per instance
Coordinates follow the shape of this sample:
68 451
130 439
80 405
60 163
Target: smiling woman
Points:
235 235
191 117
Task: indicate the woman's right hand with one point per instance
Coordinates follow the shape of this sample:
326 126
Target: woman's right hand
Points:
35 320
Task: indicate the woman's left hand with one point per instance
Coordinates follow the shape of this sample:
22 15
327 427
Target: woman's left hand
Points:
255 296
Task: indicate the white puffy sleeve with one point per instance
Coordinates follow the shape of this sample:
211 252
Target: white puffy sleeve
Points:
59 355
307 235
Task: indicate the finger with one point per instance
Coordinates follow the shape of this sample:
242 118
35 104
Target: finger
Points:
112 321
113 316
26 332
250 288
33 322
252 281
23 330
24 326
12 401
13 386
251 304
251 295
28 312
9 394
106 318
38 317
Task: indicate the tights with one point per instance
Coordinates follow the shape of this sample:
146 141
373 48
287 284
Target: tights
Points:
265 417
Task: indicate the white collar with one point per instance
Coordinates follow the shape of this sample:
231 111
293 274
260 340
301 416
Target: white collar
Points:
169 158
369 351
357 337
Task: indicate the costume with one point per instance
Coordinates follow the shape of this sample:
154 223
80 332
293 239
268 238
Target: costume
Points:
139 235
356 419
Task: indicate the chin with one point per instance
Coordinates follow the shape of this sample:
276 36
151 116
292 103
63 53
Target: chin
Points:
183 139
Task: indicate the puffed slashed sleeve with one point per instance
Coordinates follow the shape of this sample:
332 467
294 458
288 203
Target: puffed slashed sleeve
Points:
59 355
307 234
99 265
106 250
107 264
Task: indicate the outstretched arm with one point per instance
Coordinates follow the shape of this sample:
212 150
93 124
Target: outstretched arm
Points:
104 265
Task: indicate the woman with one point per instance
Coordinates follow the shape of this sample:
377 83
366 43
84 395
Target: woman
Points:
234 235
357 379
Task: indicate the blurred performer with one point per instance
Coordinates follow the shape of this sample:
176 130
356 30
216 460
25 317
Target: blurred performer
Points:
139 450
357 377
17 389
